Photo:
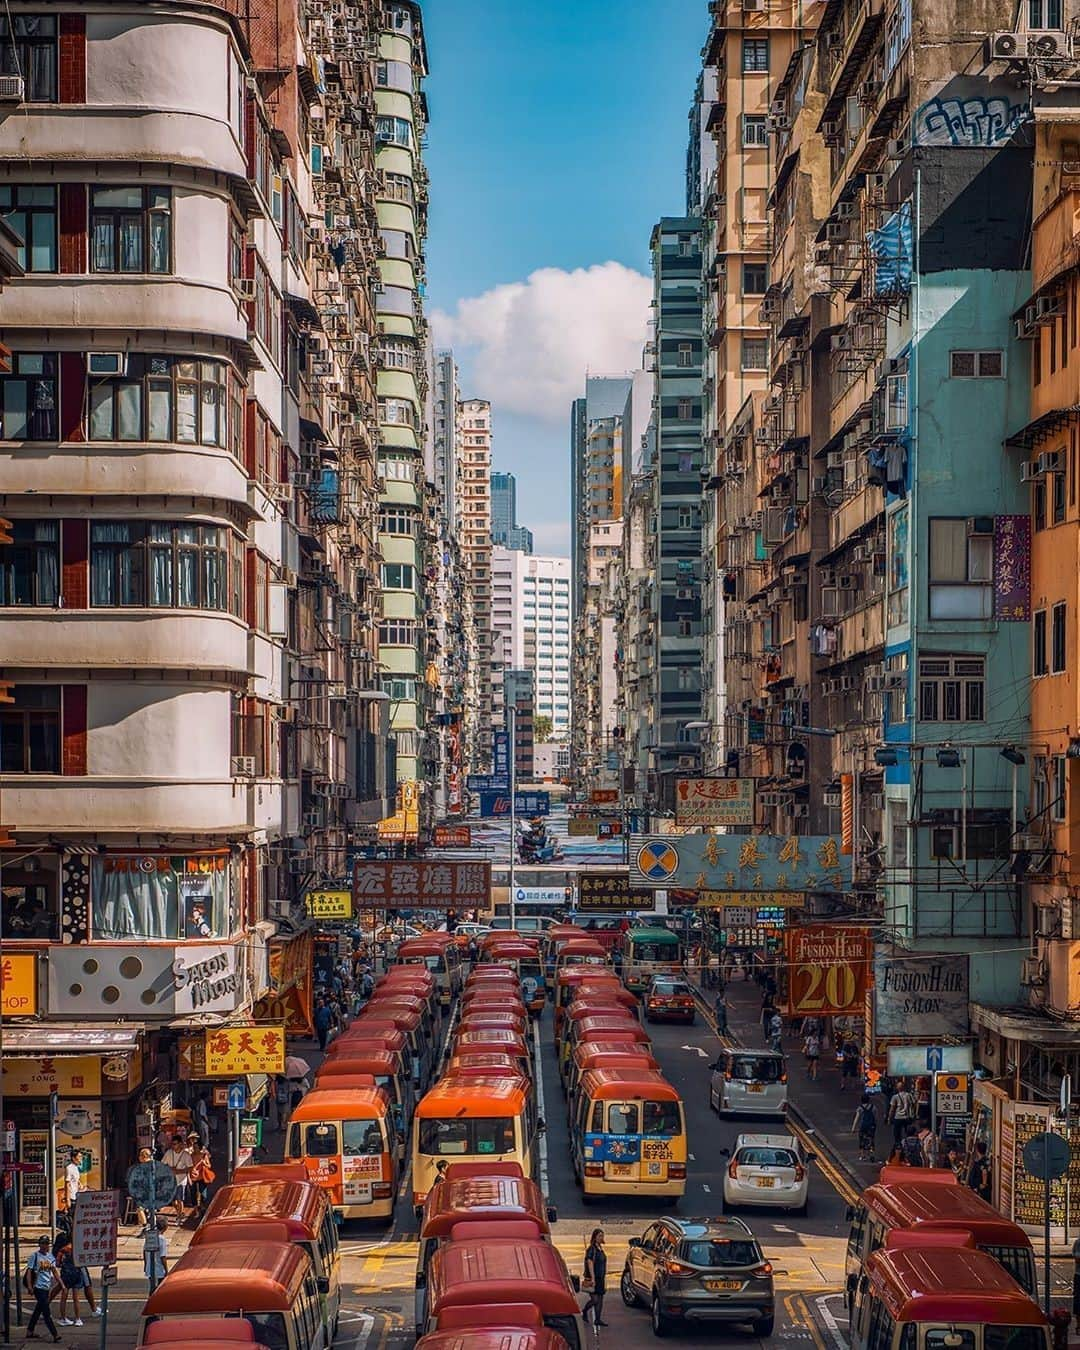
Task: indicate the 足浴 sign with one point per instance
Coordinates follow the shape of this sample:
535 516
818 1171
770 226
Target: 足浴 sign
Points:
405 884
18 984
714 801
599 891
235 1051
329 904
828 967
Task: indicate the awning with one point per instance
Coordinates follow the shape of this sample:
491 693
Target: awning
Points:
304 310
1046 424
60 1042
312 431
1022 1024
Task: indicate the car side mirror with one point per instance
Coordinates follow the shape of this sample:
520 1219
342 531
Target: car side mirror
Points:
635 1242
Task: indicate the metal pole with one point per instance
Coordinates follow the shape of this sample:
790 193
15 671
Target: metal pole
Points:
50 1185
512 715
103 1336
1046 1218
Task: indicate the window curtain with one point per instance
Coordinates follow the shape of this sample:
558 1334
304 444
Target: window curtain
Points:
103 569
48 562
134 904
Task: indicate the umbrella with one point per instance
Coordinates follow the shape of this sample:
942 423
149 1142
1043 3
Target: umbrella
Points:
295 1067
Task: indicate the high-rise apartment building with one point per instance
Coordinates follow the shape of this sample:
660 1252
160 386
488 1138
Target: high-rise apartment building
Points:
595 476
476 537
505 531
188 439
531 619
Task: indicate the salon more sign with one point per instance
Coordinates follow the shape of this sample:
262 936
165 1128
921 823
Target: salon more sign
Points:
921 998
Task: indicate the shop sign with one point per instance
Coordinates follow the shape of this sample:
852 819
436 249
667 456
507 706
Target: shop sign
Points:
405 884
93 1233
828 966
235 1051
741 862
329 904
205 979
771 899
453 836
714 801
251 1128
1012 569
78 1126
602 796
920 998
582 826
605 892
141 981
77 1076
191 1057
18 984
749 916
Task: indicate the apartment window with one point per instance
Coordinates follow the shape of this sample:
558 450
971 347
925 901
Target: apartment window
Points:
393 131
896 395
755 130
755 353
1057 497
398 353
686 245
755 55
131 229
267 312
686 517
398 577
397 468
397 520
1044 14
1040 786
398 187
1039 662
989 365
28 47
164 399
1038 505
1058 787
30 730
686 354
686 628
961 568
755 278
952 689
30 565
31 212
685 409
397 633
397 412
400 688
166 564
1057 638
28 399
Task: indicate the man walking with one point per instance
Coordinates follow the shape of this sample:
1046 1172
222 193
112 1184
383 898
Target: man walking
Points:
73 1179
720 1010
979 1178
901 1111
323 1019
40 1277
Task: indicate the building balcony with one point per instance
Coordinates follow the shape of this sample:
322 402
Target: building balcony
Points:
125 639
145 806
116 303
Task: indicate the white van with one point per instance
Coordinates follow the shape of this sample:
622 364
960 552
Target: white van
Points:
749 1082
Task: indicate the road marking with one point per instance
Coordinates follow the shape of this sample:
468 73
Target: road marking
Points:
538 1069
828 1317
706 1189
805 1320
691 1157
832 1174
697 1050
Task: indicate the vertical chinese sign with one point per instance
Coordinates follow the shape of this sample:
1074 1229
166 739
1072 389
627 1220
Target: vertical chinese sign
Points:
1012 569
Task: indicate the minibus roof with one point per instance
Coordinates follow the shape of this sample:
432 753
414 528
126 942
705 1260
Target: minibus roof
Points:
497 1230
386 1037
461 1171
198 1330
492 1315
282 1171
245 1230
300 1204
396 998
651 935
596 1003
214 1342
334 1103
498 1198
588 975
473 1017
612 1055
492 998
388 1014
405 975
501 1337
904 1205
375 1060
496 1272
485 1059
469 1097
492 1036
950 1286
609 1028
421 946
619 1084
232 1277
582 946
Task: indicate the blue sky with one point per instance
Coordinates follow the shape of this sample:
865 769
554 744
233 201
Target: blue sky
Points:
558 136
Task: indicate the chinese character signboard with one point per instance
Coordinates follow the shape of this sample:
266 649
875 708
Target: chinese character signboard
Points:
1012 569
721 899
500 746
583 827
488 782
93 1233
714 801
752 916
828 967
453 836
234 1051
599 891
406 884
920 998
18 984
329 904
533 803
603 796
740 862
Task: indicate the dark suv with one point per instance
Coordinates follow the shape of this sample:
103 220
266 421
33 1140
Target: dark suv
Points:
700 1270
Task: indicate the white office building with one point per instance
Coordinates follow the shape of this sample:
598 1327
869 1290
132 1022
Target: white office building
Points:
530 608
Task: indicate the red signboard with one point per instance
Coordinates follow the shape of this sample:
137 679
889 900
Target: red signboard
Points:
406 884
453 836
599 795
828 969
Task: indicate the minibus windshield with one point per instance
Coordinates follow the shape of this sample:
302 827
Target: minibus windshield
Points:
660 1118
480 1134
361 1138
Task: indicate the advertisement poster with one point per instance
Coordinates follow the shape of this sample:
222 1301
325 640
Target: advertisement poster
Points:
453 836
329 904
77 1076
828 967
197 899
1012 569
600 891
18 984
78 1126
714 801
920 998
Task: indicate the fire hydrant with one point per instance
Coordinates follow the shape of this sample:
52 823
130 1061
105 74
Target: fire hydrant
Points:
1059 1326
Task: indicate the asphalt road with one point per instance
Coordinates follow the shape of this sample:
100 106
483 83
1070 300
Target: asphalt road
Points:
807 1253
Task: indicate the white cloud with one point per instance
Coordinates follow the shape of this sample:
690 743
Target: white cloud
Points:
529 344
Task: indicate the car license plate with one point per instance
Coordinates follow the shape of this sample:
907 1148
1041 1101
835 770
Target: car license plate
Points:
716 1285
754 1087
766 1181
622 1169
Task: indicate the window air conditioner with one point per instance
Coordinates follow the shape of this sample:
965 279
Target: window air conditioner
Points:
1046 46
980 525
12 88
106 363
845 210
244 288
1048 462
243 766
1032 971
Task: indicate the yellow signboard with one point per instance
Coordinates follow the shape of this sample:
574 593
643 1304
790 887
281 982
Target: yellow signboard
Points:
759 899
234 1051
78 1076
18 984
329 904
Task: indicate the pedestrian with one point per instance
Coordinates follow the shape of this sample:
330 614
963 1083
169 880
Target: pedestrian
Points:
720 1009
156 1254
812 1051
145 1155
980 1179
849 1062
595 1278
954 1162
40 1277
767 1010
298 1087
202 1117
323 1020
865 1123
73 1178
281 1101
902 1108
202 1172
441 1168
178 1159
73 1278
911 1149
929 1144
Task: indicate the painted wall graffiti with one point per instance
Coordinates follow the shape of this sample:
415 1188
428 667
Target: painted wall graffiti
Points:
972 121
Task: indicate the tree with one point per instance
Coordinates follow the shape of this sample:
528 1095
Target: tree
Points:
542 729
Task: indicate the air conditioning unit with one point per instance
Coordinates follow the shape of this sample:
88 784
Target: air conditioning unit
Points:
894 149
876 182
12 88
845 210
687 761
1028 843
836 231
980 525
894 679
301 478
840 342
848 683
874 684
799 809
875 801
1028 472
1048 308
1048 462
1047 922
778 107
835 458
831 797
1021 330
753 6
281 492
846 581
830 132
762 435
106 363
1033 971
823 255
1046 46
312 819
1004 46
770 798
778 122
868 91
244 288
242 766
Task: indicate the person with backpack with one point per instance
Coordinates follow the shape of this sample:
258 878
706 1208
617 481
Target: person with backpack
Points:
902 1110
865 1123
40 1277
849 1062
812 1051
911 1149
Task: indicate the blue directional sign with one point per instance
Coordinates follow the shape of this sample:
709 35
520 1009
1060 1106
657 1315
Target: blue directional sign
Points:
533 803
911 1061
500 746
237 1097
487 782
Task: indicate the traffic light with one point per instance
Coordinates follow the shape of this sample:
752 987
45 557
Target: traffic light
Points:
5 531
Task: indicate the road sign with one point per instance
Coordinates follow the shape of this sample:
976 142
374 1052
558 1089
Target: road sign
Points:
952 1094
151 1184
237 1098
909 1061
109 1275
1046 1156
93 1233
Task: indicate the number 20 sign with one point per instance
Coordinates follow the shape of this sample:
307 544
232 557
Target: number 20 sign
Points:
828 968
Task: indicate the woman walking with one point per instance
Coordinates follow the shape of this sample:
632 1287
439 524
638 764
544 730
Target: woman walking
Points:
595 1278
202 1172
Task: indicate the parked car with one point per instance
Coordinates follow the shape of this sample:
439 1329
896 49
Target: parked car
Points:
523 923
669 1000
749 1082
767 1169
700 1270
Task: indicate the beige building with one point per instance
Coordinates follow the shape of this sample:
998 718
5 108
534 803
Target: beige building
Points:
476 537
